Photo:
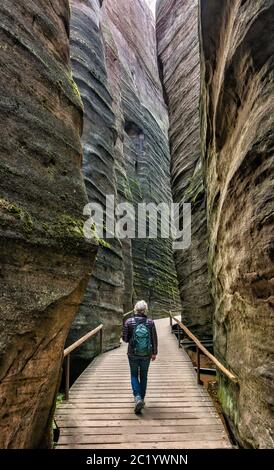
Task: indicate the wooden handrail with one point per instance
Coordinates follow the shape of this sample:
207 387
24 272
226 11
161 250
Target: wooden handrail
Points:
76 345
126 314
82 340
200 347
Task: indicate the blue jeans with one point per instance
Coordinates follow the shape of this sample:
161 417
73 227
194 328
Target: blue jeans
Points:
139 370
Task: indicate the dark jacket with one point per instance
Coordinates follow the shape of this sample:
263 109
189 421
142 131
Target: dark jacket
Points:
128 333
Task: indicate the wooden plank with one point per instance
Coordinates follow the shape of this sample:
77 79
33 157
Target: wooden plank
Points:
126 372
132 421
157 415
151 394
164 382
137 438
127 407
122 414
128 396
125 377
102 398
128 391
129 399
126 386
151 386
216 444
151 412
82 403
125 389
180 429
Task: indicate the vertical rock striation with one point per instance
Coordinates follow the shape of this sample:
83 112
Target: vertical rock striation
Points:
144 139
124 194
125 154
103 301
45 261
237 102
179 63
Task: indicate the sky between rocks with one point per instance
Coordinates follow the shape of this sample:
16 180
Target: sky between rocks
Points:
151 4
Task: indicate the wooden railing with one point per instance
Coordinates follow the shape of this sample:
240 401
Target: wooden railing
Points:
76 345
127 315
200 348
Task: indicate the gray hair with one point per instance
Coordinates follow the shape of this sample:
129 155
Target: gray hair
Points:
140 307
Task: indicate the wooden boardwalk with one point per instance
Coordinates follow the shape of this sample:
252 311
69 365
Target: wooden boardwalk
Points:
179 414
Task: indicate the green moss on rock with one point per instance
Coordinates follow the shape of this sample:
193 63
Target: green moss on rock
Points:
227 400
19 213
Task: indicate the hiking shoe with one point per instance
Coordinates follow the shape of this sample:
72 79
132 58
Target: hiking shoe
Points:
143 403
138 405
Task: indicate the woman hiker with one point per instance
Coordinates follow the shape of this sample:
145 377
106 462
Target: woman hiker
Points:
140 334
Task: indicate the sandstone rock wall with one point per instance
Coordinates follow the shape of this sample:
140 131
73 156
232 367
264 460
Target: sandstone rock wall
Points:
143 170
126 154
103 301
124 194
45 261
237 104
179 63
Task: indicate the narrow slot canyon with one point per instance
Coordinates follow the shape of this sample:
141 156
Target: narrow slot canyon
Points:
107 107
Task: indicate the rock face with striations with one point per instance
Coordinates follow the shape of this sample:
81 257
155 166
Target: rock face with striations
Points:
125 154
237 101
140 109
103 301
45 260
179 63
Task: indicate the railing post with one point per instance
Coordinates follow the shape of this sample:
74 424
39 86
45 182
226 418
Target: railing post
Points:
67 377
179 336
101 341
199 382
170 322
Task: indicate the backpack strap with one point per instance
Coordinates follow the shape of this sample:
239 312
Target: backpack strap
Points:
139 321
